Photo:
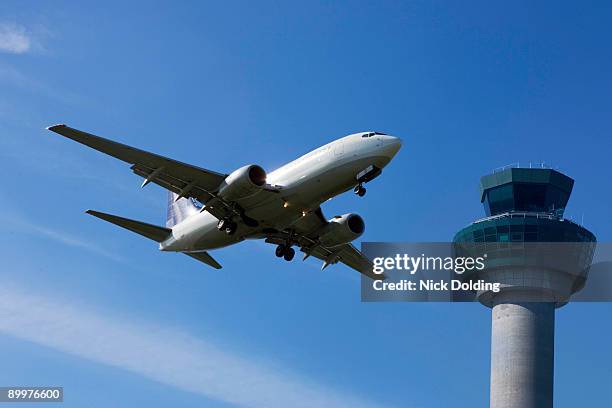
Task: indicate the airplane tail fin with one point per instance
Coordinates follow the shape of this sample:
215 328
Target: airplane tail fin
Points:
153 232
179 210
146 230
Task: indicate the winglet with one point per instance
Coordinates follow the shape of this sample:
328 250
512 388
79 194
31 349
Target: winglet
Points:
53 128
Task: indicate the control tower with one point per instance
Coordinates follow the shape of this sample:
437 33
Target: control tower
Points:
540 259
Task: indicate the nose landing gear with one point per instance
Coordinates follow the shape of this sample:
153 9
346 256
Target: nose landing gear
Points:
283 251
360 190
367 174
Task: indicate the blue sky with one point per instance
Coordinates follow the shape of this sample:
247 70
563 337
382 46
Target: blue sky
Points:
469 88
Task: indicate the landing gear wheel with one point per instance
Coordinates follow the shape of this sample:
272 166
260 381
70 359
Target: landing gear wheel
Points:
280 251
360 190
289 254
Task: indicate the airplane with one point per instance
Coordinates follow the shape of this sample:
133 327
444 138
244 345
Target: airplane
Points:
209 210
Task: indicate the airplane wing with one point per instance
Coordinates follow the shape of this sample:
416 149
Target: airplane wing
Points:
304 233
348 255
183 179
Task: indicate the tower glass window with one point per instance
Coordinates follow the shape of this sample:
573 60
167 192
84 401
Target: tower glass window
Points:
525 190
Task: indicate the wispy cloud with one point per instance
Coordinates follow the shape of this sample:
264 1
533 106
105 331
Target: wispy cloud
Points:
41 158
162 354
14 39
73 241
16 78
20 224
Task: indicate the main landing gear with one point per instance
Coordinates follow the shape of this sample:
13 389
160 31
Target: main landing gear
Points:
360 190
226 225
283 251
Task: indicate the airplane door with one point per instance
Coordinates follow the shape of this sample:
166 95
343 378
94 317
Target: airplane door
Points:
339 149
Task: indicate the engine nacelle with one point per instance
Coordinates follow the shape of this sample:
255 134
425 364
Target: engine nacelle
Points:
342 229
243 182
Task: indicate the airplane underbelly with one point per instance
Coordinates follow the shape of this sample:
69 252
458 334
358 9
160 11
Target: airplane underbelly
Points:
280 211
214 239
200 233
308 193
334 181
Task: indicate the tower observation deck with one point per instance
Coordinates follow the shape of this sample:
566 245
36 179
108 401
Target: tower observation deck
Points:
540 259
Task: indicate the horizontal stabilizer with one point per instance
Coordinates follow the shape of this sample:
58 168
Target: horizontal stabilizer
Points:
205 257
146 230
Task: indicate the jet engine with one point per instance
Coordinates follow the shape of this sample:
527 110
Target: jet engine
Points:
342 229
243 182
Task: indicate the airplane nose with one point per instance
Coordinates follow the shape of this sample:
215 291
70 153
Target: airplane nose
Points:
391 145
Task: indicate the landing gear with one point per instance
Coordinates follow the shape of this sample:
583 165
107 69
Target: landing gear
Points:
367 174
360 190
283 251
228 226
289 254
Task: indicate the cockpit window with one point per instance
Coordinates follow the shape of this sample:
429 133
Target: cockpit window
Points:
370 134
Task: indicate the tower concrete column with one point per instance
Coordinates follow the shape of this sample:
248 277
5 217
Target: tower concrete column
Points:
522 355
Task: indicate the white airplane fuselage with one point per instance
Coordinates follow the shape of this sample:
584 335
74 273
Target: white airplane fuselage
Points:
303 185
